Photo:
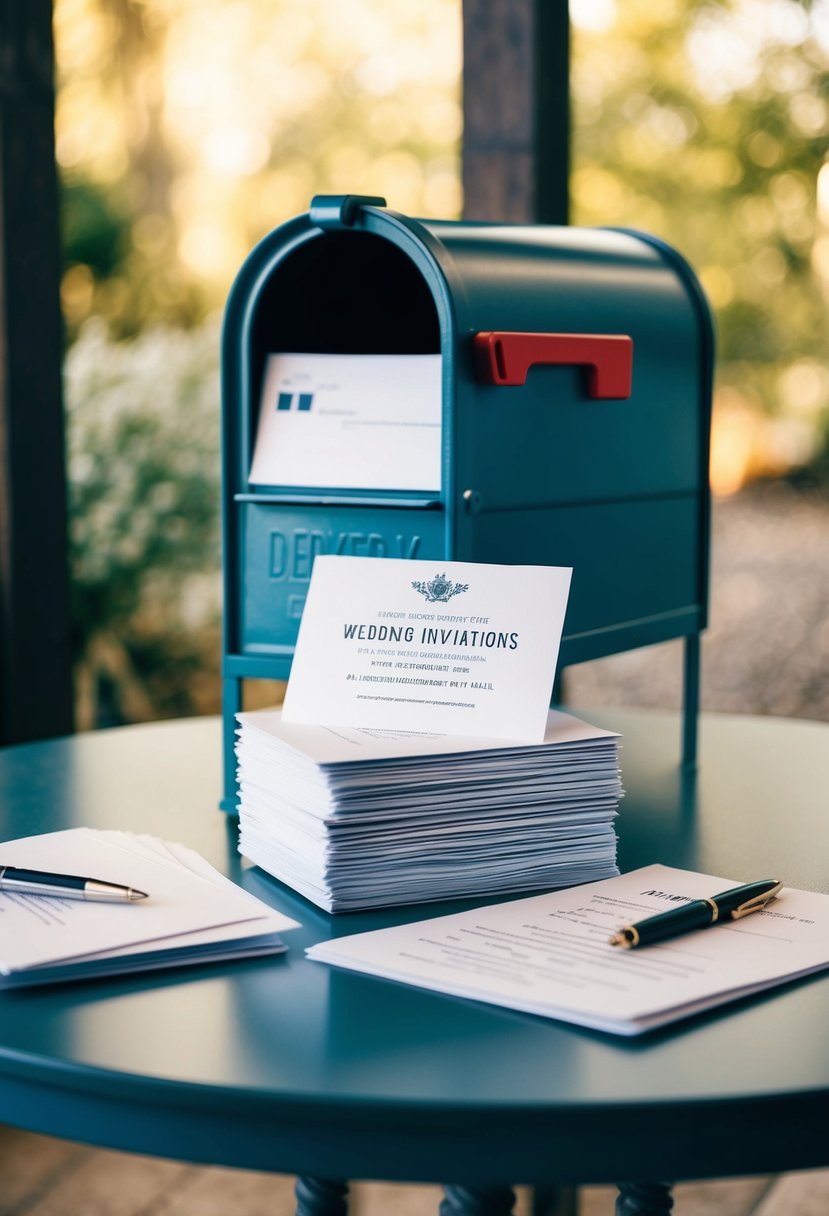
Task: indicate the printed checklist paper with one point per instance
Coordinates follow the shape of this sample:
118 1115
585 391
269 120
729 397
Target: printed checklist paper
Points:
452 647
550 955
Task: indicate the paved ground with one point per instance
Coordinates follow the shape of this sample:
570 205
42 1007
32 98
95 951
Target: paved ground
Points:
767 648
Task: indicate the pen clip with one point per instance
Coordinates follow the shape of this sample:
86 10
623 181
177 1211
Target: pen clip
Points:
757 903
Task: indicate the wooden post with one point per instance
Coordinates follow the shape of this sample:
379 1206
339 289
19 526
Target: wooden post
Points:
516 167
516 110
35 647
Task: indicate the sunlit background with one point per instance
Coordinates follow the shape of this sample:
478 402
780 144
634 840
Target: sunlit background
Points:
187 131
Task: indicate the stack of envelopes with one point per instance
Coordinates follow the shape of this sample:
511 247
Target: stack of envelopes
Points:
190 914
355 818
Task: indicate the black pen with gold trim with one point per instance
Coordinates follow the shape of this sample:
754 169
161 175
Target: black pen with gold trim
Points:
698 914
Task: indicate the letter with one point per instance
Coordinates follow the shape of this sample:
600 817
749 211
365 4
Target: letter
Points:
407 549
409 633
350 631
513 641
279 551
302 555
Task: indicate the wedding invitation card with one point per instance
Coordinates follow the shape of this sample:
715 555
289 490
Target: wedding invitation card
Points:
454 647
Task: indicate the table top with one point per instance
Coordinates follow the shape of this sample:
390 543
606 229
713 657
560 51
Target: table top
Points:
289 1065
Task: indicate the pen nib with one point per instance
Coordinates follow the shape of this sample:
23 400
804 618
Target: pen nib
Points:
113 892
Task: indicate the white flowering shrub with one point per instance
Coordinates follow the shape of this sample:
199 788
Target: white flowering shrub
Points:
144 510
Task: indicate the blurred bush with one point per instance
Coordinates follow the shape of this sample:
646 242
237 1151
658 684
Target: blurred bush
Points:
143 458
184 133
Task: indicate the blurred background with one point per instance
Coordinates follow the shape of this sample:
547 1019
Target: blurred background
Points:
187 131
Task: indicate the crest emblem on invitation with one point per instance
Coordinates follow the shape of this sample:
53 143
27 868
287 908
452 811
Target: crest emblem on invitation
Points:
439 589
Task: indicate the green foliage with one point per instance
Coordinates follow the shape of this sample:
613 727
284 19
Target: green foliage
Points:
211 123
95 233
706 123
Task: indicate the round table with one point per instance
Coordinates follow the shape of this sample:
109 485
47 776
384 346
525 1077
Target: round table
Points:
286 1065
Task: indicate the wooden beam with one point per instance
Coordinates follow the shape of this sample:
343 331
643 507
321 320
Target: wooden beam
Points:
516 110
35 641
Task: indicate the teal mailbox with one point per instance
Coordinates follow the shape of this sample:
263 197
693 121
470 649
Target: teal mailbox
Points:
575 370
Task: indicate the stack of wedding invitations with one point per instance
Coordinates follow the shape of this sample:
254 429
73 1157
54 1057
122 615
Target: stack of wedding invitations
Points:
415 757
359 818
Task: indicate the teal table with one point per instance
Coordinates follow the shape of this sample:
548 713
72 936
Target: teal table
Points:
280 1064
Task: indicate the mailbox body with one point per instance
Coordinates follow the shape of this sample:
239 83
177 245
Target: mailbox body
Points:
539 472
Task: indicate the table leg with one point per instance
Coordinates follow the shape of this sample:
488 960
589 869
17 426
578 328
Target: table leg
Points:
644 1199
554 1201
690 701
321 1197
477 1201
231 705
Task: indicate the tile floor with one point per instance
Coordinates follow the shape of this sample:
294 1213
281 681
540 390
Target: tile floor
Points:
45 1177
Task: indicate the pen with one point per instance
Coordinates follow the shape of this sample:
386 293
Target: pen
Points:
698 914
40 882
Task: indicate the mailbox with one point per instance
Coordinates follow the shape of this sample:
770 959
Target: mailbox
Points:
575 372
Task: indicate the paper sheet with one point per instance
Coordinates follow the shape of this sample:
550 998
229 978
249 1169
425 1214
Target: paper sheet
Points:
323 745
550 954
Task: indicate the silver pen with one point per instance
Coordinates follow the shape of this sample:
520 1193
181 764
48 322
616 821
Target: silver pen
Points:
40 882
